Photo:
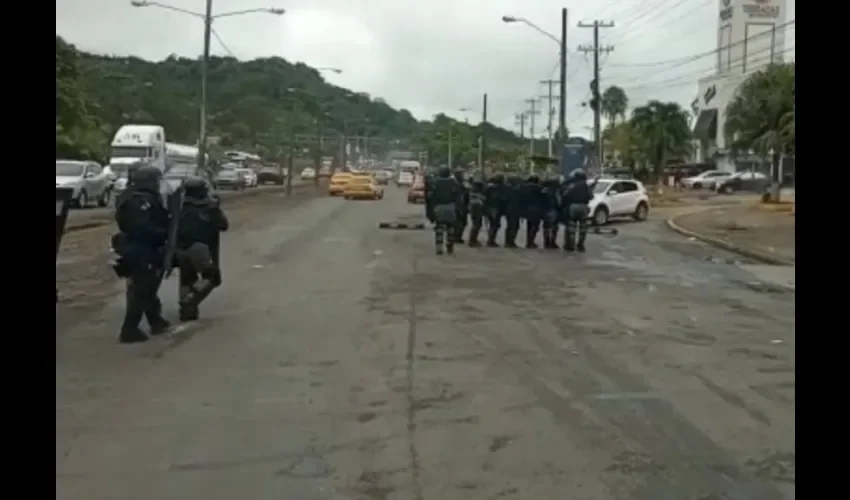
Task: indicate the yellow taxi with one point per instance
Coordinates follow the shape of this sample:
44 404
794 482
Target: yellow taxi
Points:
363 187
338 182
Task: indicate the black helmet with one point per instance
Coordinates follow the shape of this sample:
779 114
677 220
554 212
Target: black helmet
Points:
578 175
533 179
195 187
444 172
145 177
498 178
459 175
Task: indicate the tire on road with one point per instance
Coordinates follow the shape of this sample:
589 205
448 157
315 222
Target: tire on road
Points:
641 212
82 200
600 216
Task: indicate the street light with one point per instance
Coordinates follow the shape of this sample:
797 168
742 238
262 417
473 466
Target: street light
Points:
562 43
208 18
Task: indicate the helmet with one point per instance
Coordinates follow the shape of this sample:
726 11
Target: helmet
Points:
459 174
533 179
195 187
498 178
444 172
145 177
578 175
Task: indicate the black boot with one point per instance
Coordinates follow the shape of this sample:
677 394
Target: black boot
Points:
474 243
582 235
569 241
132 336
159 326
189 314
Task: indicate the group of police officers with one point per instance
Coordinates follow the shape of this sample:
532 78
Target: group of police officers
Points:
145 227
451 204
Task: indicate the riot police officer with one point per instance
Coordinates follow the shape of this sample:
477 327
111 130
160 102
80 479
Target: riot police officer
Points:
576 198
513 210
462 209
532 203
441 208
551 211
201 221
494 207
143 222
477 201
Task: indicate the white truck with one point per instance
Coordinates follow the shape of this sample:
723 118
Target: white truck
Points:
134 143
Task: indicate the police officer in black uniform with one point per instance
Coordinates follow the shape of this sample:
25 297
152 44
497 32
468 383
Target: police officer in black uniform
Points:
462 209
494 207
533 204
513 210
576 198
143 222
441 206
551 211
201 221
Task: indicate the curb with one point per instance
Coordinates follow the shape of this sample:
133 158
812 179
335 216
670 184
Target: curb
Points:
756 255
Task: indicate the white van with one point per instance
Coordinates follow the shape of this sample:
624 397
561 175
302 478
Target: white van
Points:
134 143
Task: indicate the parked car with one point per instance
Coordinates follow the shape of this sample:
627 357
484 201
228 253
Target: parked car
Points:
753 182
362 187
88 181
618 198
416 192
308 174
271 175
229 178
338 182
250 176
706 180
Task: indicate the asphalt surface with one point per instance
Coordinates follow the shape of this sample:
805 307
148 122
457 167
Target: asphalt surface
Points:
340 361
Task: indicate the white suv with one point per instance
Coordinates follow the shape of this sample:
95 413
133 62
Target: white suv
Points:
618 198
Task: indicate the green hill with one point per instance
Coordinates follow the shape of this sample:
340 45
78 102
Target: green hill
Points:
261 105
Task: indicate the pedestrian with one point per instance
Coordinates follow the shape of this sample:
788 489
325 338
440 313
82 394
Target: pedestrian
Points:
494 207
513 209
477 201
678 175
576 198
462 209
533 204
441 206
198 241
551 211
143 224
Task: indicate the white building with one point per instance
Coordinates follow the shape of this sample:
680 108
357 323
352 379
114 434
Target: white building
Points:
750 35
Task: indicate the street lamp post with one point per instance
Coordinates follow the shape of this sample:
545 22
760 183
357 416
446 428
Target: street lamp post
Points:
208 18
562 44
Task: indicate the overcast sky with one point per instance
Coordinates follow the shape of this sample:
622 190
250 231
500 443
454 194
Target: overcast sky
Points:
437 55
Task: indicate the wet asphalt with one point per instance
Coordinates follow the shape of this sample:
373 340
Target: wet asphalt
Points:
341 361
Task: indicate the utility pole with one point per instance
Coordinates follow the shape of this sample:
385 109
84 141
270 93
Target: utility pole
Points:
550 110
481 138
520 120
205 59
562 105
596 101
532 112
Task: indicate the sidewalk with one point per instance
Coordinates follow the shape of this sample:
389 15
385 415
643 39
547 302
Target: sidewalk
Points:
764 235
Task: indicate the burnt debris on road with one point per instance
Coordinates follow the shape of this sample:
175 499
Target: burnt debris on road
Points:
342 361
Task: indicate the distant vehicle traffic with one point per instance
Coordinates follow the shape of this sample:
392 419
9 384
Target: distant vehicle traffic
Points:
618 198
229 178
754 182
244 160
308 174
338 181
362 187
139 143
271 174
706 180
88 181
251 180
383 177
405 179
416 193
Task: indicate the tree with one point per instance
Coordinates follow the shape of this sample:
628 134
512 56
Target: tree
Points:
663 130
760 117
614 104
626 142
78 131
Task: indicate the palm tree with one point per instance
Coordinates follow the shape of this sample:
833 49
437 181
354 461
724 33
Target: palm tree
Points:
614 104
662 128
760 117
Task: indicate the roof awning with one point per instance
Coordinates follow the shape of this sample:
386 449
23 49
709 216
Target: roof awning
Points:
706 125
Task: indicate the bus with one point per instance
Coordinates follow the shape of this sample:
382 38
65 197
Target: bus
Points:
244 160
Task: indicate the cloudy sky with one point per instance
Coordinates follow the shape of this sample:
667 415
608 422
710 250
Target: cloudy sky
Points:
437 55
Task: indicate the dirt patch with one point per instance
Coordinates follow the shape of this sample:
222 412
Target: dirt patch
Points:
85 280
764 231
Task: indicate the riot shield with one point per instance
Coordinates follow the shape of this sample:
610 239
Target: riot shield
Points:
174 203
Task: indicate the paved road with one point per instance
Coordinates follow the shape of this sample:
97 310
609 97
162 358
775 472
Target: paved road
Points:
342 362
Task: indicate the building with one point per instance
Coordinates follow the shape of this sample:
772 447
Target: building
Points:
750 35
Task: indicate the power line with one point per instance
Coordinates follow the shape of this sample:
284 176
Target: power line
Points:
628 35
